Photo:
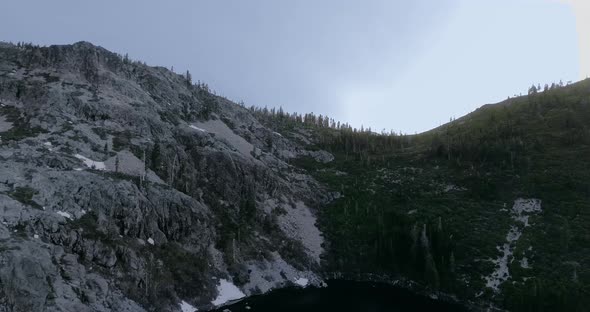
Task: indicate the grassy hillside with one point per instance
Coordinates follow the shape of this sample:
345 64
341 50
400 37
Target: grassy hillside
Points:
436 207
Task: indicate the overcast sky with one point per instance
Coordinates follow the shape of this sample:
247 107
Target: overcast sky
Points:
388 64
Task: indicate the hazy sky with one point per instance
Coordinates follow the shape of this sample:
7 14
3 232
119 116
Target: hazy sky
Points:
402 65
582 11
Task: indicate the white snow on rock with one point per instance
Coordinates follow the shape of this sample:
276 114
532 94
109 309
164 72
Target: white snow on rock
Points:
502 273
221 130
520 212
98 165
127 163
513 235
523 219
451 187
522 207
49 146
4 125
186 307
524 263
150 241
64 214
197 128
526 205
299 223
227 291
276 133
265 275
302 281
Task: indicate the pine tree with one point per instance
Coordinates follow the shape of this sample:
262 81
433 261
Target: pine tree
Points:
156 158
189 79
533 90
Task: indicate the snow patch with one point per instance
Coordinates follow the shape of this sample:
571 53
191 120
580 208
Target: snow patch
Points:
502 273
98 165
4 124
221 130
524 263
302 281
523 219
526 205
520 213
197 128
227 291
522 207
267 275
186 307
299 223
48 146
451 187
127 163
64 214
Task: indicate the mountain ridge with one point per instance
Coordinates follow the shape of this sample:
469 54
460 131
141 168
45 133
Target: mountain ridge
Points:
145 192
100 157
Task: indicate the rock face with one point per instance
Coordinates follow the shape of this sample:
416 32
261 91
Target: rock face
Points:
125 187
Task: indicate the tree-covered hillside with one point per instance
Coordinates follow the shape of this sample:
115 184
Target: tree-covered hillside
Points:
492 207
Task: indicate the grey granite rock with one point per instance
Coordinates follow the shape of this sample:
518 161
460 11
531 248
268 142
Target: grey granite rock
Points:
123 188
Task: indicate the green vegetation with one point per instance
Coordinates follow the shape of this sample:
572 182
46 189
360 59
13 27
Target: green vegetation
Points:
48 77
121 141
433 207
88 223
25 196
21 127
184 270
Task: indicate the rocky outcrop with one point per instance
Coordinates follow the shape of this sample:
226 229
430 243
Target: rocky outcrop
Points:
125 187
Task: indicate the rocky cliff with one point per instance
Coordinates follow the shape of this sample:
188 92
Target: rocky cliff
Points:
125 187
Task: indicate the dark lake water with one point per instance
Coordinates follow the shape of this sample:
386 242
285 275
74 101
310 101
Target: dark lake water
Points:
343 296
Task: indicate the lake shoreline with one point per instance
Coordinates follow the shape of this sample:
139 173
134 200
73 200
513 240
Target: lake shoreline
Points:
352 295
414 287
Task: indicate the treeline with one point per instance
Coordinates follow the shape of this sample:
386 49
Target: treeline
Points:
335 136
274 115
534 89
500 134
507 134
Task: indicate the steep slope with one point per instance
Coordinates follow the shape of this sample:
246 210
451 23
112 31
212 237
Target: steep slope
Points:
125 187
493 208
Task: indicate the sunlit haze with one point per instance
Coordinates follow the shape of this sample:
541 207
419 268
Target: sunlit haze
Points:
402 65
582 11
